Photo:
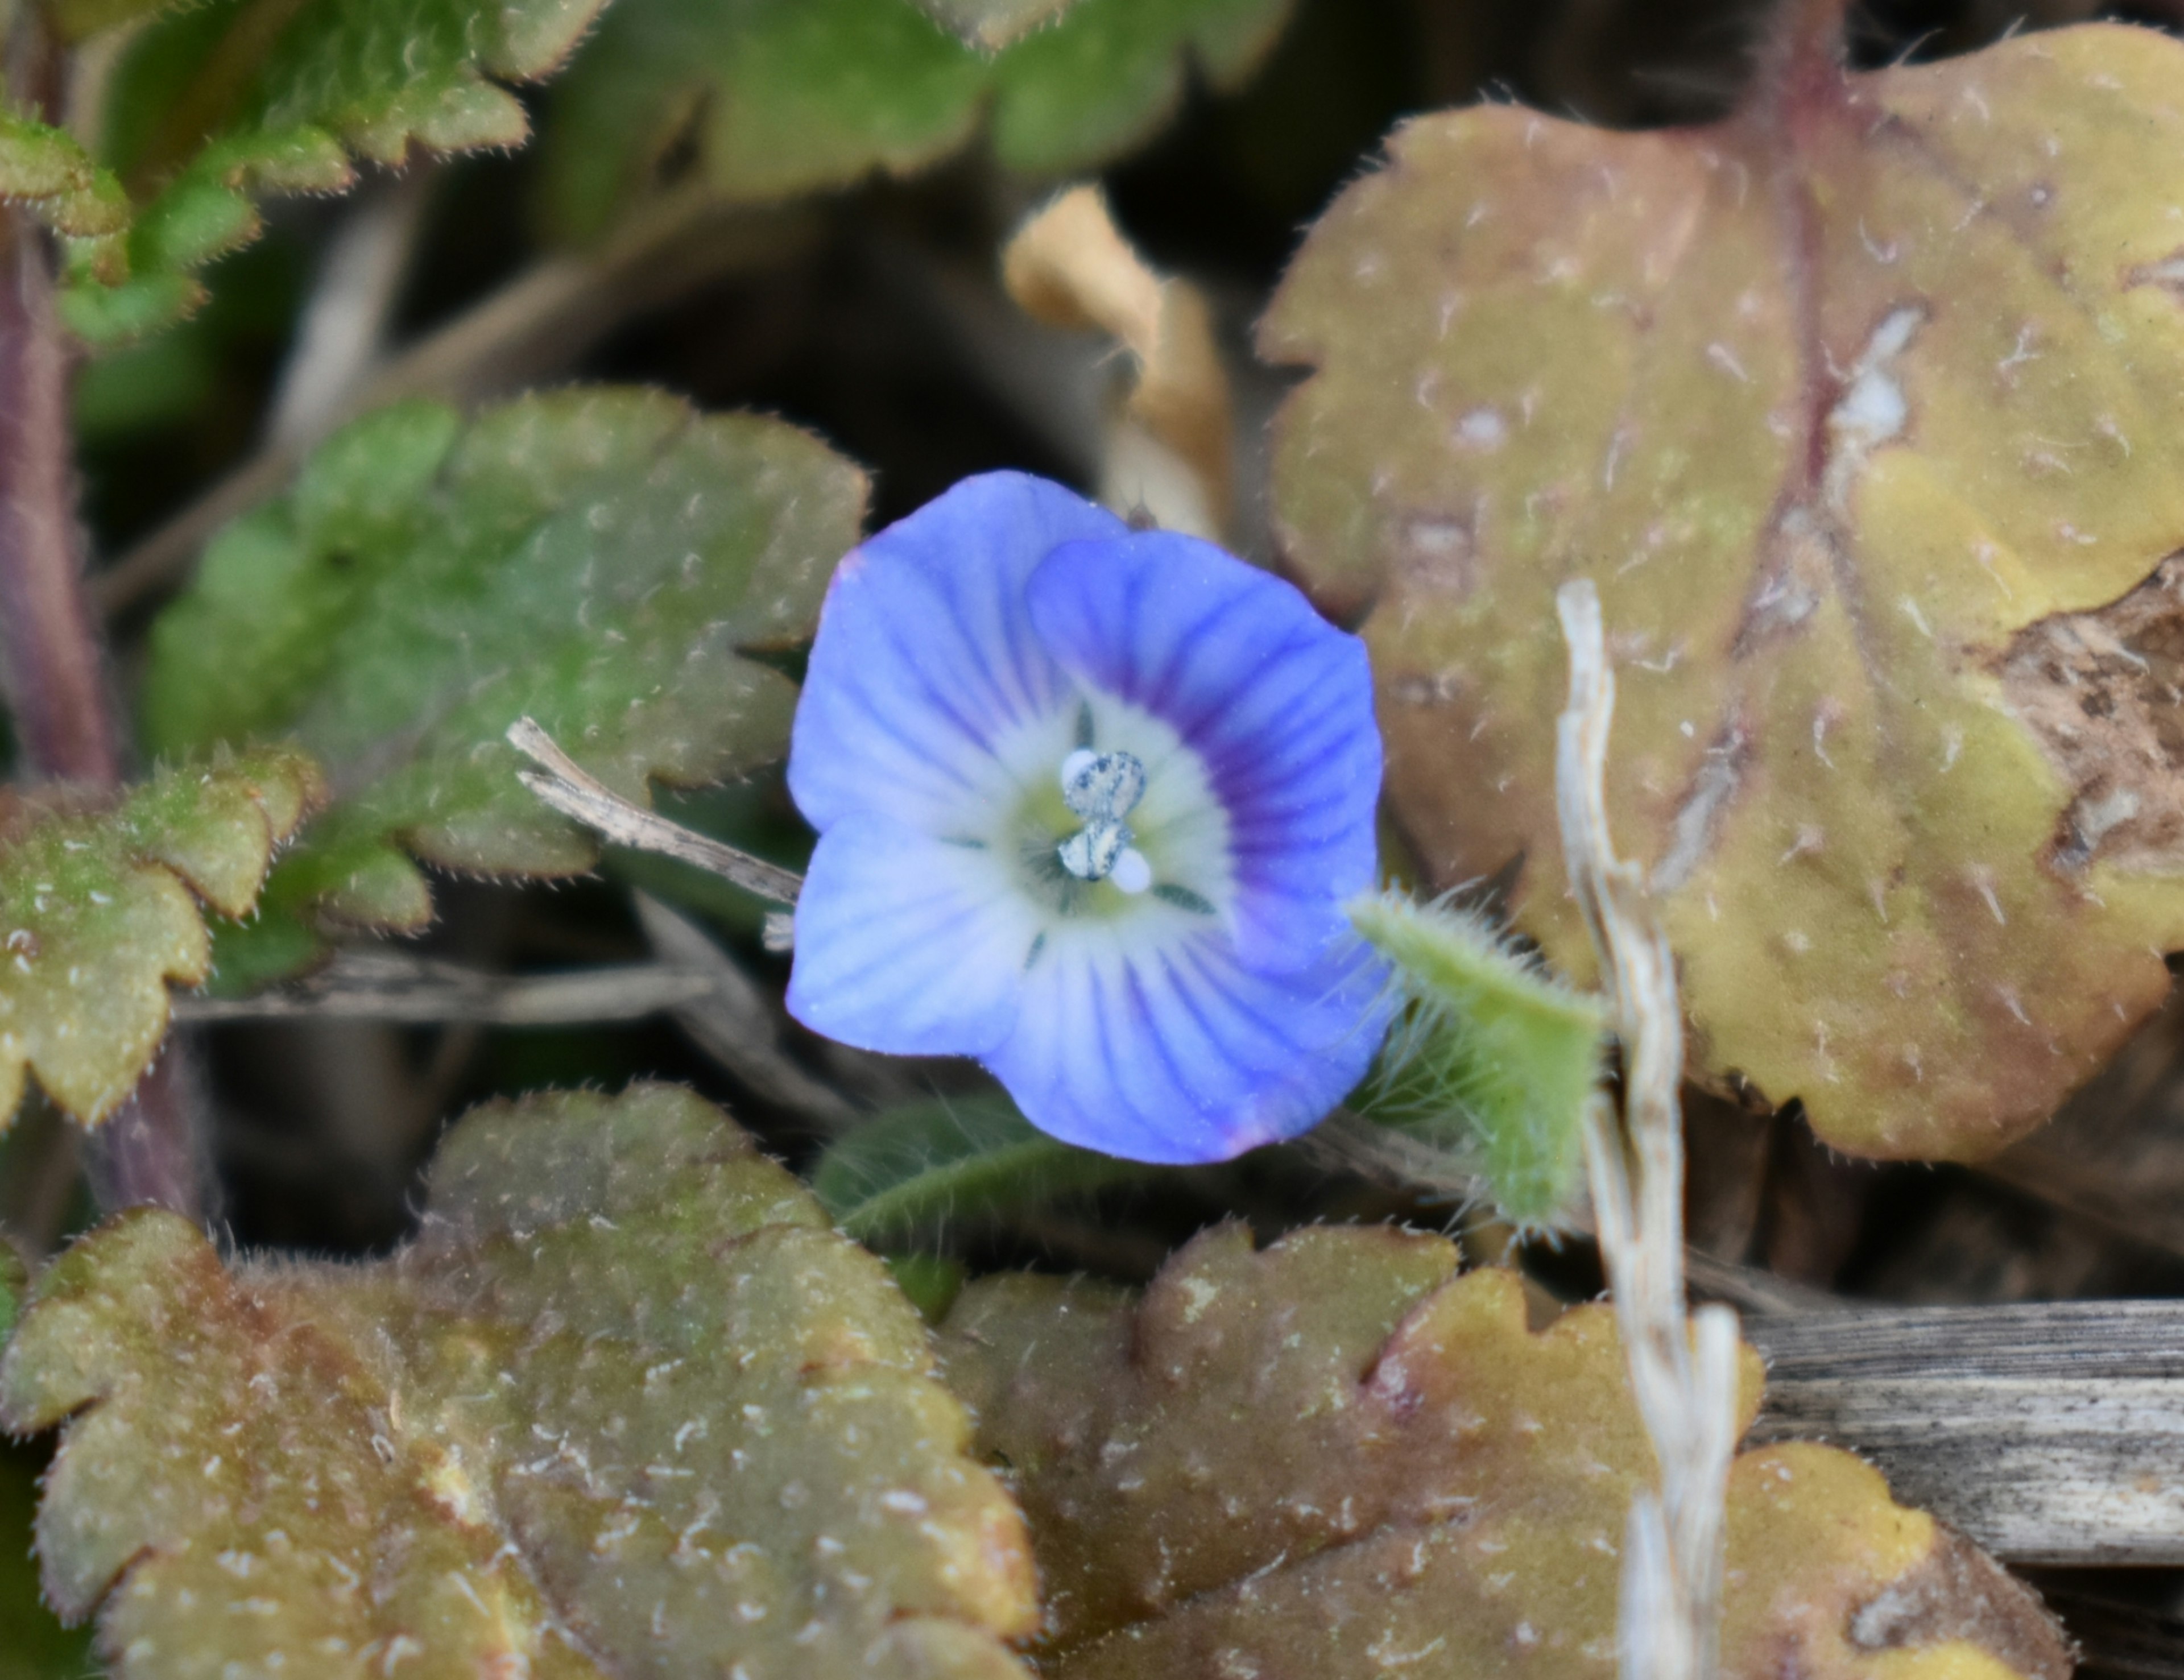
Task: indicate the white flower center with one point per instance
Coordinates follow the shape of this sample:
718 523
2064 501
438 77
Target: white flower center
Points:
1107 824
1103 788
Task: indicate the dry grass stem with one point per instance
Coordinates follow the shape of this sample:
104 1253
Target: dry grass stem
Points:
1683 1371
563 783
400 987
535 325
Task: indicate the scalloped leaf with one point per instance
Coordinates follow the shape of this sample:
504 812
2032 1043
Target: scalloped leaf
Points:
217 104
97 916
627 1406
1865 411
782 96
45 169
601 561
1335 1458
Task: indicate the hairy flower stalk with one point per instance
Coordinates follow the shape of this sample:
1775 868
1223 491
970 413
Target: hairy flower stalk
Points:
1091 802
1683 1371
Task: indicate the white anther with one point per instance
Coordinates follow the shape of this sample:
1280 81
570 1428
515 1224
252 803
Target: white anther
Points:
1091 853
1102 786
1131 873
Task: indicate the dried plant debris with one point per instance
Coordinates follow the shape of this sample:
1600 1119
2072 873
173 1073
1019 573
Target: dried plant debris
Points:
603 560
214 105
774 98
628 1406
1169 442
1865 410
1335 1457
102 907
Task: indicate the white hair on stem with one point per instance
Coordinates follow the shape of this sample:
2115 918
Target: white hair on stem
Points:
1683 1371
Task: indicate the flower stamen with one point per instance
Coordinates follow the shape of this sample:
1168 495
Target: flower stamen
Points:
1103 788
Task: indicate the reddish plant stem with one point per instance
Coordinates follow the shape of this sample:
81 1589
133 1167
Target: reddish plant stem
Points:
149 1151
53 664
1802 59
49 643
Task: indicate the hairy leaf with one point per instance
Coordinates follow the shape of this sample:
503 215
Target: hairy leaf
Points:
781 96
627 1406
217 105
601 561
96 916
33 1644
912 1171
1492 1060
45 168
1865 410
1334 1459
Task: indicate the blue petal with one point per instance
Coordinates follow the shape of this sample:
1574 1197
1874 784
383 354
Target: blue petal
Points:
925 654
908 945
1275 700
1181 1053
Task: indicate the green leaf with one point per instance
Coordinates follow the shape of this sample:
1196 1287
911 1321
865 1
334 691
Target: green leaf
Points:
44 169
1878 472
1493 1060
603 561
78 19
33 1644
1337 1459
909 1172
218 104
14 1282
1113 71
781 96
96 916
626 1405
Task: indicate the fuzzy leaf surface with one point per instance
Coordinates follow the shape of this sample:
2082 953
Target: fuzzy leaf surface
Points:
1492 1062
1323 1458
914 1171
627 1407
36 1647
1865 411
781 96
601 561
45 169
102 907
216 105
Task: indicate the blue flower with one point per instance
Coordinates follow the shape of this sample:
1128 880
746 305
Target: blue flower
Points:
1091 802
